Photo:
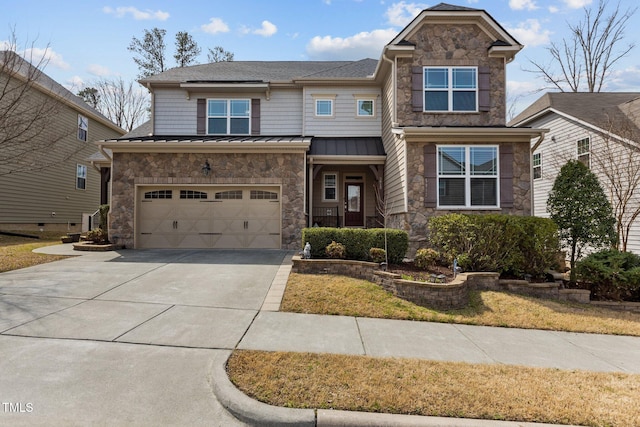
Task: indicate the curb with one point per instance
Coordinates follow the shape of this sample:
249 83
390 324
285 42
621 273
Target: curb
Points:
256 413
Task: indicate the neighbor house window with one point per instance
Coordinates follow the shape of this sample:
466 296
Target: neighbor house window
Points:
330 182
584 148
450 89
324 107
365 108
228 116
467 176
81 177
83 128
537 166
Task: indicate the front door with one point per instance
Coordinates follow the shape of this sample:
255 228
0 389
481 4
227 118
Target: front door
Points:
353 206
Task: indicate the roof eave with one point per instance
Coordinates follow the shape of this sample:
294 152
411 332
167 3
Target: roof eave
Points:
468 134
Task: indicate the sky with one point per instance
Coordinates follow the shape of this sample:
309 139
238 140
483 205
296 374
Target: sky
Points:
87 40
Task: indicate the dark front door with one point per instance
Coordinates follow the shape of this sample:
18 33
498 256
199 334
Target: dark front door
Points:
353 206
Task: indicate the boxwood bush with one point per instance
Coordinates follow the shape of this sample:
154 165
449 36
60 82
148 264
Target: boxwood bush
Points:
610 275
357 241
507 244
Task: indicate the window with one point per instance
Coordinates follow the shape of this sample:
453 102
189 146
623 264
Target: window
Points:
83 128
229 195
324 107
450 89
584 147
330 182
192 194
537 166
263 195
467 176
228 116
158 194
81 177
365 108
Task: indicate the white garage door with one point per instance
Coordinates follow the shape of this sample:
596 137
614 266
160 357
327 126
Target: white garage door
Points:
208 217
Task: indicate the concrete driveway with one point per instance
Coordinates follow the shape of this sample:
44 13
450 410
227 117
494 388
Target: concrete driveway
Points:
126 338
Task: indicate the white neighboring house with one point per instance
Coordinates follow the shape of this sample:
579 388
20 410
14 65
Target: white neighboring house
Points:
602 131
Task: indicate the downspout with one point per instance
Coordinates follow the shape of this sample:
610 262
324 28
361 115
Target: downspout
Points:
393 88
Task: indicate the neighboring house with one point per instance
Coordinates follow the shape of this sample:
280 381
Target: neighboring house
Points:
247 153
599 129
49 182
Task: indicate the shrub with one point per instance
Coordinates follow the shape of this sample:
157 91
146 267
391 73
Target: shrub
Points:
377 255
358 241
611 275
98 236
426 258
507 244
336 250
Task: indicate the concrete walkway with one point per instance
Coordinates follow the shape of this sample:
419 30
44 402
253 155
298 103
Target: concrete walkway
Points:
147 333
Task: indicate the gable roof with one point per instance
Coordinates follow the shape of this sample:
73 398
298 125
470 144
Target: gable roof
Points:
21 68
599 109
265 71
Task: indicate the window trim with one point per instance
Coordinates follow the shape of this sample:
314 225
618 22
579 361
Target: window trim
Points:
586 154
450 89
83 126
538 166
468 177
373 107
228 116
336 186
79 176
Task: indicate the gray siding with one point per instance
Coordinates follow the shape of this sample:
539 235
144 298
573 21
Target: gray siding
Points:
174 114
282 113
344 121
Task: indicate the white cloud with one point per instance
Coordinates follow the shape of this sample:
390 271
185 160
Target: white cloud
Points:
137 14
400 14
553 9
46 56
523 4
530 33
358 46
577 4
626 80
74 84
98 70
267 29
215 26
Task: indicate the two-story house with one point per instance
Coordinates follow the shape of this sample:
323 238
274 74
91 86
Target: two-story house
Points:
602 130
47 180
247 153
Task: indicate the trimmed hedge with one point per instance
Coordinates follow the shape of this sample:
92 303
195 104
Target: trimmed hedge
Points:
507 244
357 241
610 275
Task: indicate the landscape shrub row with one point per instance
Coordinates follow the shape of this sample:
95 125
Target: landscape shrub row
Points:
507 244
610 275
357 242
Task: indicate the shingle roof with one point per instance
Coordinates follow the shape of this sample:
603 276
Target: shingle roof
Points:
445 7
266 71
600 109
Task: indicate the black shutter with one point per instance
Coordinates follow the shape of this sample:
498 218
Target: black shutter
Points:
506 175
484 90
430 175
202 116
255 117
417 88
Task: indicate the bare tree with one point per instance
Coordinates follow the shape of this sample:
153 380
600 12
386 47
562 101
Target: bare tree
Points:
187 49
150 52
218 54
31 137
125 104
590 53
617 160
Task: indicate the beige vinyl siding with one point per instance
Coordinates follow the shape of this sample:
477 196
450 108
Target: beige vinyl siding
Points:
395 172
31 197
174 114
344 121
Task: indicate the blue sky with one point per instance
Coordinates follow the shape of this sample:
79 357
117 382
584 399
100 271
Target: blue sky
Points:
87 40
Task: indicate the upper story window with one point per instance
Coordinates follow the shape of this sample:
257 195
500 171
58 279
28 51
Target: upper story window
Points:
584 149
324 107
83 127
467 176
365 108
228 116
81 177
450 89
537 166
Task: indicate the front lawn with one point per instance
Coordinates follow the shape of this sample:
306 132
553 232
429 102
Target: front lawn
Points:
17 251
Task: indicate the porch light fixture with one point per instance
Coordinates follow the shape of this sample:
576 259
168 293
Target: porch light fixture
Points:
206 168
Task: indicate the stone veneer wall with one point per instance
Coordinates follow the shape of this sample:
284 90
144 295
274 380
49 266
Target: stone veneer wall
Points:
131 169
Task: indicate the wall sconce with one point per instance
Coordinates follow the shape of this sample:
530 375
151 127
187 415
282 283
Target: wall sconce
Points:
553 138
206 168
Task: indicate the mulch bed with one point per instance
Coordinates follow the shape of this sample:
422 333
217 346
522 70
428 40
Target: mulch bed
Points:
419 274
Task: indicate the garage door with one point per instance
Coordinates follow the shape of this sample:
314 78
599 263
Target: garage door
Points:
209 217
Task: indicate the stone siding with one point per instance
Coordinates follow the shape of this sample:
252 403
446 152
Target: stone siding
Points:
130 169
